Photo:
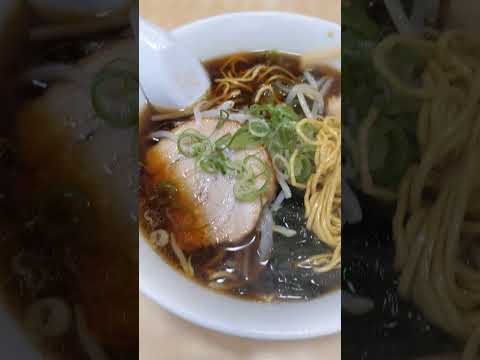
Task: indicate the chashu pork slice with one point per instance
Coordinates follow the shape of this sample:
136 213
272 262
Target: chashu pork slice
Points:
60 133
228 220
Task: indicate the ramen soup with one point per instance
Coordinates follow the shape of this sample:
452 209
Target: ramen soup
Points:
242 192
69 250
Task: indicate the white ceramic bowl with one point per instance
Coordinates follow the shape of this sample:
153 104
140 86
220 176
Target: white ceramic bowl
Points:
209 38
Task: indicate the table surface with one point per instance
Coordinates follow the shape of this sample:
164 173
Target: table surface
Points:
164 336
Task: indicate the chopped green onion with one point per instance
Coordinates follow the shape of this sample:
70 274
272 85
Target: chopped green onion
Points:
258 128
208 165
210 157
253 176
275 128
253 162
243 139
395 163
302 168
275 113
235 166
309 131
224 115
246 188
114 97
223 142
280 164
244 191
191 143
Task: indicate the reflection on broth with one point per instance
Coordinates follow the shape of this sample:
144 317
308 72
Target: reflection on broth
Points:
210 180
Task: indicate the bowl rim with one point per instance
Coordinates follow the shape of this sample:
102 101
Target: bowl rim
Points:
200 22
248 334
200 320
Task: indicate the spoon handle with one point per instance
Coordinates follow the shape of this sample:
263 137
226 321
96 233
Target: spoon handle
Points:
170 75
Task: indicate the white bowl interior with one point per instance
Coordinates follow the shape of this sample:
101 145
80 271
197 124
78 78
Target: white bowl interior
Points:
207 39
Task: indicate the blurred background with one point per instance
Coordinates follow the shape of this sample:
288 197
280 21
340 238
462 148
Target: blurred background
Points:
174 338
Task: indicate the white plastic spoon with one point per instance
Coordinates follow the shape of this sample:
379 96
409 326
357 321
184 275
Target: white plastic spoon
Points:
170 76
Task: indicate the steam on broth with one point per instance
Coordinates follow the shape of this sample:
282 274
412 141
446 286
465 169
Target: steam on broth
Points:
225 164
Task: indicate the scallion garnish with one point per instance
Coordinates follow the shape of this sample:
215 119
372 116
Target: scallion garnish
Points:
252 175
223 142
243 139
192 143
275 128
258 128
302 167
224 115
114 93
254 180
